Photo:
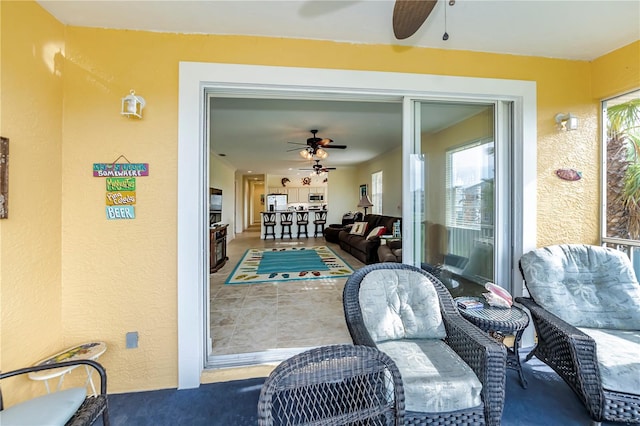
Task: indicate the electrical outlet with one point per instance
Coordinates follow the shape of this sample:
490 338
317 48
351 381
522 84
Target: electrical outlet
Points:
132 340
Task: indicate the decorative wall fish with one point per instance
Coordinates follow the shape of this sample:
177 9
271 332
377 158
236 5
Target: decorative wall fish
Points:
569 174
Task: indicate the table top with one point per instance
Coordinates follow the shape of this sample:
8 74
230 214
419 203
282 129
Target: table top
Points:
493 318
89 350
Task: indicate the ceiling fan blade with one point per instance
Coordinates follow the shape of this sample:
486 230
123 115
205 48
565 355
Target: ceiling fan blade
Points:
335 146
324 142
409 15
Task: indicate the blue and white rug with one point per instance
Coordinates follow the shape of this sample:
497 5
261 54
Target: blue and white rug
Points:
288 264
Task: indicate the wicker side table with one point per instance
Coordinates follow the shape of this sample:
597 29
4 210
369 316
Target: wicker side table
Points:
499 322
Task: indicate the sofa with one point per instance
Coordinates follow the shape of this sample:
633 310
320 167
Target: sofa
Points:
333 230
364 246
390 252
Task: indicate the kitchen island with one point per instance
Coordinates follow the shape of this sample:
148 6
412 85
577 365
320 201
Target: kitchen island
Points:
294 226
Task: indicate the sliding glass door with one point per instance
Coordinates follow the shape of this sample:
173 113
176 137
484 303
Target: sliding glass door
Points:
461 225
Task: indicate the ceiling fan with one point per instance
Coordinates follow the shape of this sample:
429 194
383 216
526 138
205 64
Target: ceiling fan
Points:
319 168
409 15
316 146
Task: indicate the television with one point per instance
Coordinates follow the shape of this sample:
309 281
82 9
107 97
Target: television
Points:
215 199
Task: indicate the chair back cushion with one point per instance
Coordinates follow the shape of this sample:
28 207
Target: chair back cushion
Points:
400 304
586 286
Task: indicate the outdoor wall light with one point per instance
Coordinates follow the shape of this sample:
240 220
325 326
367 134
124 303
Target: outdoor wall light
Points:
567 121
132 105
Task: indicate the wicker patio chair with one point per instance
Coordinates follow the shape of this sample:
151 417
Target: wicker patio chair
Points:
45 406
475 364
585 305
333 385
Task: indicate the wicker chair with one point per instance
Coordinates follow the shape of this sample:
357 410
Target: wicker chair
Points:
88 412
333 385
577 294
462 341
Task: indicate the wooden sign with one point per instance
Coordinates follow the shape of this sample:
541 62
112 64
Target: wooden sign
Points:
120 212
121 198
121 184
120 169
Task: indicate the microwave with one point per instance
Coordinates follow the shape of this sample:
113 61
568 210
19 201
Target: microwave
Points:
316 198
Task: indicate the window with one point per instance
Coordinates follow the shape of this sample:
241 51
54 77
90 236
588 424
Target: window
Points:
621 175
469 187
376 192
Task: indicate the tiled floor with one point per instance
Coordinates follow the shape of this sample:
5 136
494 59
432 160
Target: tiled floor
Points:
261 317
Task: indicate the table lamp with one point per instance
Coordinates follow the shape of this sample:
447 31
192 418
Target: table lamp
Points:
365 202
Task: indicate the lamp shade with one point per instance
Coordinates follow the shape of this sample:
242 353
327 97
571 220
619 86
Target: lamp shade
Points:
365 202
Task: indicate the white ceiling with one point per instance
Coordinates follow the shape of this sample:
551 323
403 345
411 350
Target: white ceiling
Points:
254 134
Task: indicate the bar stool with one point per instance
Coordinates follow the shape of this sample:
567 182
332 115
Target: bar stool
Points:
319 222
269 223
286 220
302 220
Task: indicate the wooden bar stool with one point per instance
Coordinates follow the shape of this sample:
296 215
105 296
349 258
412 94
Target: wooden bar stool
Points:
269 223
302 220
319 222
286 220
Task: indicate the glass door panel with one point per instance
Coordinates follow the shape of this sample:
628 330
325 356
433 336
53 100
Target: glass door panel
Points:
457 234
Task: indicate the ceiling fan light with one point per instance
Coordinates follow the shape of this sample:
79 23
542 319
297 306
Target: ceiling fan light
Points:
321 153
306 154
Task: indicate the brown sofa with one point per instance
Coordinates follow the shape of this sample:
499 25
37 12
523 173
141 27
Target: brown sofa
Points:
390 252
363 249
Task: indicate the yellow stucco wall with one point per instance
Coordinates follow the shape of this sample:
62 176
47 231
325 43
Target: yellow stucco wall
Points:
30 239
105 278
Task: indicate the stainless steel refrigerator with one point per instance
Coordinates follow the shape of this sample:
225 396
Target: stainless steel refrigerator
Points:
276 202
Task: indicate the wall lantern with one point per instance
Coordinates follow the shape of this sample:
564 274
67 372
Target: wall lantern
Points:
132 105
567 121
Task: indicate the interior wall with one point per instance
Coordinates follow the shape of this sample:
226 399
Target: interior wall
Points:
120 276
222 176
390 163
32 49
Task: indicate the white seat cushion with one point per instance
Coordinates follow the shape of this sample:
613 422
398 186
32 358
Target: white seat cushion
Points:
618 354
435 378
48 410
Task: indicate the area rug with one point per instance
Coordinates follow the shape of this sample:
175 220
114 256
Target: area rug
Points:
288 264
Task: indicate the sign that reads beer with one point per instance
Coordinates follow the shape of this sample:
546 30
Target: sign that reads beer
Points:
121 184
120 169
121 198
120 212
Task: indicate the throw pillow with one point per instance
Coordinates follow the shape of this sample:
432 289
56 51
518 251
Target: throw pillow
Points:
359 228
376 232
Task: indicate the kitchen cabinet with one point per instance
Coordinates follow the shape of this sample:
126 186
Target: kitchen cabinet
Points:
277 190
303 195
293 196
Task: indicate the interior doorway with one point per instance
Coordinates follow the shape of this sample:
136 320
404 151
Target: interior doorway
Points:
195 78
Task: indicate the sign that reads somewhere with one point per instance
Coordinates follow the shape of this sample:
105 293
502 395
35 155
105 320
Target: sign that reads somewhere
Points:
120 169
121 198
121 184
120 212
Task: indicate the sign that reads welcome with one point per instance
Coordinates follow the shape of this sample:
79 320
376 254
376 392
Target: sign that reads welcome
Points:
120 169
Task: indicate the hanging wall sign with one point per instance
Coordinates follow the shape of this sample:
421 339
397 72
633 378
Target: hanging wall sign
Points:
121 198
121 186
120 169
120 212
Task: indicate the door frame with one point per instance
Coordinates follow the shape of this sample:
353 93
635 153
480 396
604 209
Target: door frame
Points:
196 79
